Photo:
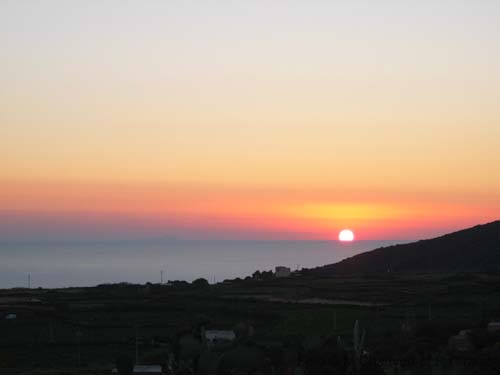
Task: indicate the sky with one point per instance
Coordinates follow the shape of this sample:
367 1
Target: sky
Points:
250 120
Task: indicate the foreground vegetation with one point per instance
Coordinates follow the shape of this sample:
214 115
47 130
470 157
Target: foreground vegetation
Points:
380 323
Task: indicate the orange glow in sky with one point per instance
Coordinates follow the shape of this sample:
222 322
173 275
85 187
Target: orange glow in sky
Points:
248 120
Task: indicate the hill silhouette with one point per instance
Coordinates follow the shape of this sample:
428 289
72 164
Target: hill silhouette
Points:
472 249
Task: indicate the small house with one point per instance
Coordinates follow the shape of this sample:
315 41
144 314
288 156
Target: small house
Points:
214 336
147 370
144 370
281 271
494 328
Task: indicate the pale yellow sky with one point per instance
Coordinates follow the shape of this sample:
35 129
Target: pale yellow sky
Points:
392 98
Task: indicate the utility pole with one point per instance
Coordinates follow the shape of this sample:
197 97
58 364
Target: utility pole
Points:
161 277
29 280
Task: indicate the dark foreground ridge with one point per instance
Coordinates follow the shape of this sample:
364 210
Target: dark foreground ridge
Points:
472 249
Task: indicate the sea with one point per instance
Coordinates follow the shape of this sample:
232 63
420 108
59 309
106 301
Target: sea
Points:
66 264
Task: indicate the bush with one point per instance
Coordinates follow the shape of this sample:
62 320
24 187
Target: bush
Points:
200 283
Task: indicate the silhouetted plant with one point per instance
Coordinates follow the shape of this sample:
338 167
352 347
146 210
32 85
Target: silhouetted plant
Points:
358 342
200 283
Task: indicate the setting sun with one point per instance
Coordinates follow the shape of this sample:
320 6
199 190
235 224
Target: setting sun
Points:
346 235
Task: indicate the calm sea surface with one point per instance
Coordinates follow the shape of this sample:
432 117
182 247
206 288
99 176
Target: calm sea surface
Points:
87 264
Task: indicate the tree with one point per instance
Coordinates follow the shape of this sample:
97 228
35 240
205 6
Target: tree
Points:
200 283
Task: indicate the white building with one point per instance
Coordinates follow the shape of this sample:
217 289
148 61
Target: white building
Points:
147 369
494 328
281 271
144 370
216 335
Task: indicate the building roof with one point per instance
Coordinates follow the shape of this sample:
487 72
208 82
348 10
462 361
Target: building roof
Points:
219 334
147 369
494 326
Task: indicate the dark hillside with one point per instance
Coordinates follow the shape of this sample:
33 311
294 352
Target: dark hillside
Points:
473 249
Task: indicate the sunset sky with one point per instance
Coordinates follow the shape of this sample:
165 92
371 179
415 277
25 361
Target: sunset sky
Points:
248 119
